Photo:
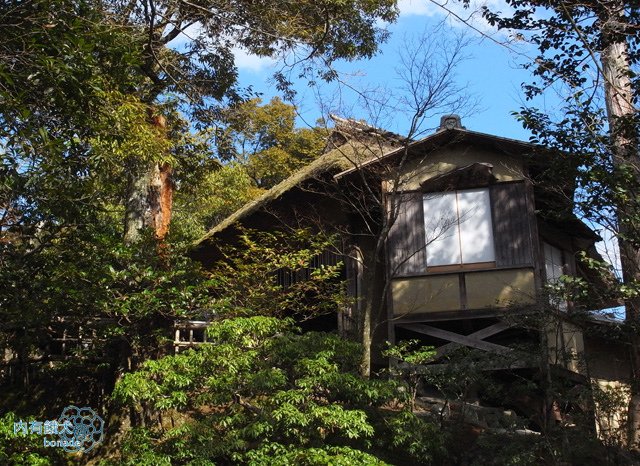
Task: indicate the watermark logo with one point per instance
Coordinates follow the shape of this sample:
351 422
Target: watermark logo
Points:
78 430
85 428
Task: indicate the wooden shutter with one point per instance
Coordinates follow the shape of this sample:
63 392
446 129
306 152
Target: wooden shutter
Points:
405 244
511 224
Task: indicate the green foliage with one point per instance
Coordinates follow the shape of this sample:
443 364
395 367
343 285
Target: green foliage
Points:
138 449
602 186
610 400
202 70
596 143
80 83
122 300
508 450
411 354
260 147
589 52
414 438
124 133
59 61
72 131
246 280
260 392
218 194
264 139
258 387
281 455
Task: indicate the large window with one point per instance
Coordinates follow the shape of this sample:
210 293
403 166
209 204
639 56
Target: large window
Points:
458 228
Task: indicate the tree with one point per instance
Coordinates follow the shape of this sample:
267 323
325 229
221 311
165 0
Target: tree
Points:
428 88
55 71
201 71
215 196
264 139
254 147
98 137
592 49
259 391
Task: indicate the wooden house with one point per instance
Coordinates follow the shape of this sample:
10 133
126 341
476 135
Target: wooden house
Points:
452 239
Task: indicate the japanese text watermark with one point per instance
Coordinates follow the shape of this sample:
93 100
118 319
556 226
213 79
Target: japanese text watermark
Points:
76 430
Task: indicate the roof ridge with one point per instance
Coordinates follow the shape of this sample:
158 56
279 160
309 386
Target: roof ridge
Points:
349 125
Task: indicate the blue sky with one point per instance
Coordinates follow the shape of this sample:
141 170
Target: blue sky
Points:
492 74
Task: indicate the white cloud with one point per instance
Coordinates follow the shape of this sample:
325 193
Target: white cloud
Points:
253 63
418 8
455 13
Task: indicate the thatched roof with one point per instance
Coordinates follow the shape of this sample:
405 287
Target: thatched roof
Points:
351 154
363 131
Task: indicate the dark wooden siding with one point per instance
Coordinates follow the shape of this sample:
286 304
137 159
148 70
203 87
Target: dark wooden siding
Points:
353 269
406 242
287 277
511 224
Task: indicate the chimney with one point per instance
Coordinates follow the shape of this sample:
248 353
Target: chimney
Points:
450 122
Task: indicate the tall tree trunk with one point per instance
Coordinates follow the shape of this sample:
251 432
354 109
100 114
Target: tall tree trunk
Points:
148 206
621 113
149 198
367 313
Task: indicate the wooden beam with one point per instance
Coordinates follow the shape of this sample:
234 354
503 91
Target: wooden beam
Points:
457 338
480 335
466 314
505 365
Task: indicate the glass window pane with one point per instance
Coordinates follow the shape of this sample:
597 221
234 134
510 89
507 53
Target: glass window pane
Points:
554 267
476 230
441 229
